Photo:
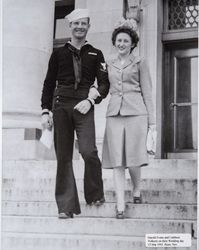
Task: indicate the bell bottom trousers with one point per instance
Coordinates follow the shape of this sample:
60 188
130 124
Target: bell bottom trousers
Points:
66 121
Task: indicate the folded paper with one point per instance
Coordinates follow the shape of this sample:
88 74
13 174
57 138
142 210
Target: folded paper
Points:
47 138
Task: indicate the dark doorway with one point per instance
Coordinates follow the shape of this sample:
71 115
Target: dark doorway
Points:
180 99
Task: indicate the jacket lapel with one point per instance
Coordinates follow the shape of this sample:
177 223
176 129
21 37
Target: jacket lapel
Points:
129 61
116 63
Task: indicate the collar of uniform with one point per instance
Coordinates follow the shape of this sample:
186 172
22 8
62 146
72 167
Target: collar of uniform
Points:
70 44
130 60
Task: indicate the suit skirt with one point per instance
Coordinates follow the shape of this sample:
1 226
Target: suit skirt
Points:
125 141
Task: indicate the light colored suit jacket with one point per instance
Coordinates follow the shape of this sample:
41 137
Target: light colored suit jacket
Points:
130 88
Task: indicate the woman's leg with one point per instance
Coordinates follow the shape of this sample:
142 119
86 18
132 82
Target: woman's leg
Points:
135 173
119 182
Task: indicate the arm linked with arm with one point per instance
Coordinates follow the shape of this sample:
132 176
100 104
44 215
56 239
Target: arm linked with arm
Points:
102 78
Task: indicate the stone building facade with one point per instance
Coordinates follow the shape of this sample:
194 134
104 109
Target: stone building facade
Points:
168 41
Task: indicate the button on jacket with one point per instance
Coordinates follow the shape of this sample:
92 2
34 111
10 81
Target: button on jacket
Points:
130 88
61 74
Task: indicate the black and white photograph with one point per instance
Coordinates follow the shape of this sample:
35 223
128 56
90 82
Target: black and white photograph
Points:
99 124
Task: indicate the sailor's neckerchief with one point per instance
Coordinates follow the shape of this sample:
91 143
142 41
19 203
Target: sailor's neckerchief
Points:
77 62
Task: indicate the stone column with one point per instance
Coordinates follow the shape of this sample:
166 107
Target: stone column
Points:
27 45
149 48
149 39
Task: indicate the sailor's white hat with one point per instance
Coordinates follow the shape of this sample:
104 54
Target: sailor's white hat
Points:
77 14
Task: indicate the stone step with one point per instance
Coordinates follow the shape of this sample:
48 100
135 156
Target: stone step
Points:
107 210
158 168
148 184
30 241
94 226
148 196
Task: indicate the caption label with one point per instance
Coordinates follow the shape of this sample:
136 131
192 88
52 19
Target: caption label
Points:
168 240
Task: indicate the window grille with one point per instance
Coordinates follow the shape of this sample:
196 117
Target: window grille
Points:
182 14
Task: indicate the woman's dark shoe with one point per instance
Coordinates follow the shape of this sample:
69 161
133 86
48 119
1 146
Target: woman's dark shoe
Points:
68 215
120 214
137 199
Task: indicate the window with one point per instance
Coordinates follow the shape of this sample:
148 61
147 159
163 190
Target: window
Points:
182 14
61 28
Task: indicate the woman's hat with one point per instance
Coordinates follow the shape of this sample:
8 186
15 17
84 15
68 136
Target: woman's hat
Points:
126 23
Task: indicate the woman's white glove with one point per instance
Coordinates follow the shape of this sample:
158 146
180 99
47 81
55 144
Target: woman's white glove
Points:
151 140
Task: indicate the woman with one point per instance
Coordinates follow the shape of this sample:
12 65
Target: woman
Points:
129 115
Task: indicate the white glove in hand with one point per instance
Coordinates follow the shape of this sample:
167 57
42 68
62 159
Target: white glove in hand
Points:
46 122
151 140
93 93
152 127
83 107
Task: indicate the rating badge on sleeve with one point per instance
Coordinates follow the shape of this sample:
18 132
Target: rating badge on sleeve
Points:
103 67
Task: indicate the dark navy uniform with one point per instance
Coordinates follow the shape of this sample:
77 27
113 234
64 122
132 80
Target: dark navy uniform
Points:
70 75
